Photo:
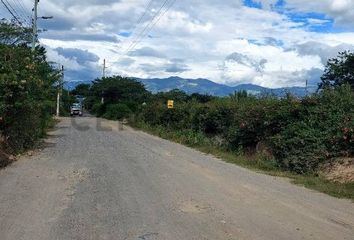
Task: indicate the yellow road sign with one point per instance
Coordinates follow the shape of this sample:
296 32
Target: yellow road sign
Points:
170 104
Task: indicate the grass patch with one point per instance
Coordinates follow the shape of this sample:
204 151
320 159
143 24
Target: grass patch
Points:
52 124
339 190
6 153
257 163
266 166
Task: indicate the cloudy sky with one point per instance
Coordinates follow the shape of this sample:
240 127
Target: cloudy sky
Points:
272 43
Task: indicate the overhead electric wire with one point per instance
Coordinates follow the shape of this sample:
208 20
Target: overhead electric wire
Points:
23 12
147 8
144 34
15 11
11 12
18 8
23 7
23 17
158 15
26 12
145 12
140 35
146 27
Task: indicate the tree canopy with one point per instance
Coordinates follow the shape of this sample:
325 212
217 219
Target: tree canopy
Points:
339 71
13 34
119 89
27 88
82 90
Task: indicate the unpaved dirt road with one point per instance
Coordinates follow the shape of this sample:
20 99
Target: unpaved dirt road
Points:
92 183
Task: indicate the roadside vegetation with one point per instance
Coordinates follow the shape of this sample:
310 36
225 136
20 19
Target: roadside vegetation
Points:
28 88
287 136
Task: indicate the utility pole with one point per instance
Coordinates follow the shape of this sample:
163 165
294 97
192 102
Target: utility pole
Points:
306 88
34 24
104 69
60 89
103 76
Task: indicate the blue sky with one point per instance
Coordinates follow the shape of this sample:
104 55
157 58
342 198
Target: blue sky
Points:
271 43
251 3
324 23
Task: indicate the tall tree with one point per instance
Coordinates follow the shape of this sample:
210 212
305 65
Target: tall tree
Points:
119 89
339 71
13 34
82 89
27 92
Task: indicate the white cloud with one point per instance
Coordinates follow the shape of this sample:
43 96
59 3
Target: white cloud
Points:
341 10
276 50
71 64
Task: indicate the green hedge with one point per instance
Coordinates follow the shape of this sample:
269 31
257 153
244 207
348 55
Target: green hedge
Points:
117 111
300 134
27 96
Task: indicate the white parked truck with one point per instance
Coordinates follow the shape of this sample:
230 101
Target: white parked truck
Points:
76 109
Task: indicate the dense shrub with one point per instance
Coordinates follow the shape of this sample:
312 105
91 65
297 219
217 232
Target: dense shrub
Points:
26 127
151 114
300 134
299 148
98 109
211 119
91 103
177 118
339 71
323 131
27 96
117 111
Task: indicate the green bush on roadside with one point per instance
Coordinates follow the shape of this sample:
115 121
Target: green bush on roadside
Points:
98 109
299 134
322 132
27 89
117 111
26 97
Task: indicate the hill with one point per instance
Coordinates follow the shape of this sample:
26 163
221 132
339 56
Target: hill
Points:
205 86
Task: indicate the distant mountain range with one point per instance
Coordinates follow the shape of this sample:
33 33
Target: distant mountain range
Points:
205 86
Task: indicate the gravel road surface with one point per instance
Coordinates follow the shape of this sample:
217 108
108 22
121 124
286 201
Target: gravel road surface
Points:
95 181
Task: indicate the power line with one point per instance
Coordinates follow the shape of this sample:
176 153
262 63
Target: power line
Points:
146 27
27 13
147 8
12 8
19 9
20 14
145 12
11 12
133 43
23 12
161 15
15 12
23 8
151 25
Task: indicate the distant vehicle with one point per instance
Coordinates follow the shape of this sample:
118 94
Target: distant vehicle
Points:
76 109
80 99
